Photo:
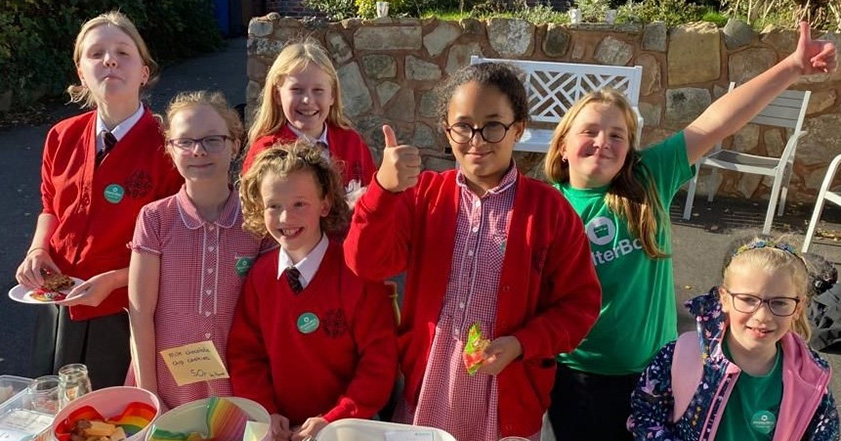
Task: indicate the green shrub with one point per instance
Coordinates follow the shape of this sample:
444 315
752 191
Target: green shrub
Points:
592 10
335 10
715 17
673 12
37 37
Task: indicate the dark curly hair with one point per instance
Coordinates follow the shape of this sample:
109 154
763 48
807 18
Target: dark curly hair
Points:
504 77
282 160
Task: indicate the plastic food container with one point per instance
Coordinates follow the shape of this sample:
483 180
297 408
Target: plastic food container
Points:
110 402
13 388
18 422
369 430
192 417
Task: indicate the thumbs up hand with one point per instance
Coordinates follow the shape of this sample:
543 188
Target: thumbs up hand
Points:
401 164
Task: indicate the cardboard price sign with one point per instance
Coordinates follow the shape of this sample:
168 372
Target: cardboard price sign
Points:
194 362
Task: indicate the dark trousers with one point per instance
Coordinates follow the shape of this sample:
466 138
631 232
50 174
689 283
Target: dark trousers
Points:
591 407
102 344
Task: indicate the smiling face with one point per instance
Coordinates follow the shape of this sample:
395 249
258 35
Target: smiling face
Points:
483 163
293 208
306 96
596 145
110 65
757 332
197 164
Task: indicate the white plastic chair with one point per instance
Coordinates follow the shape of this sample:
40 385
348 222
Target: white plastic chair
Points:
788 110
553 88
823 195
352 429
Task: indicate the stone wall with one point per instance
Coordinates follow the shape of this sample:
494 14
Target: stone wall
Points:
389 67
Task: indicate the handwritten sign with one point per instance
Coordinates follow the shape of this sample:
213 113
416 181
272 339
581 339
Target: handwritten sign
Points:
194 363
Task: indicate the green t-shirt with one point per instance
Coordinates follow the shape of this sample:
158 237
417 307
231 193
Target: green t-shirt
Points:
754 405
638 314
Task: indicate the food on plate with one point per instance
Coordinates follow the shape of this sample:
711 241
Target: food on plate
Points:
92 430
50 290
42 295
474 349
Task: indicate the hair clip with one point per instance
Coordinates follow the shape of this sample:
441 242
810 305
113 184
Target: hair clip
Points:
757 244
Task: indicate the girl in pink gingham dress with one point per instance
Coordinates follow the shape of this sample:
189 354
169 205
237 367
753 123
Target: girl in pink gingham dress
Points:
190 253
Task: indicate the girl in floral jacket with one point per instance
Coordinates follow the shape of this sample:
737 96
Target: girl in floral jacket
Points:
758 380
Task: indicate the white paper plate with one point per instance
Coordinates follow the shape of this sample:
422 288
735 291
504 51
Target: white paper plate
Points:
23 294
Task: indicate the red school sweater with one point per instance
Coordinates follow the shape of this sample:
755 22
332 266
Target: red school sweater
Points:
343 367
345 145
96 207
549 296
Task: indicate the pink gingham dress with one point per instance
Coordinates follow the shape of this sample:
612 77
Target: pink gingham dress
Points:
203 267
450 399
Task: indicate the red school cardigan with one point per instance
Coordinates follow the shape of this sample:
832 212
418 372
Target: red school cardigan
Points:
97 207
549 296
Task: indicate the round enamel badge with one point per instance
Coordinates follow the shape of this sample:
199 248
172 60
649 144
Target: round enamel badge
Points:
763 422
243 265
307 323
114 193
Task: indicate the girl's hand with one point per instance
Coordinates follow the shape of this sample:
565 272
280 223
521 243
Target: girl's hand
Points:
29 273
94 291
401 164
309 429
813 56
499 354
280 427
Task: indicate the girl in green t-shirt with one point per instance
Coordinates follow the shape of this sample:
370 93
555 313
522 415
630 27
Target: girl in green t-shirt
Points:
752 377
622 195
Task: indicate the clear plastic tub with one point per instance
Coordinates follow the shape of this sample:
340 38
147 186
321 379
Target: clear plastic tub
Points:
12 388
18 422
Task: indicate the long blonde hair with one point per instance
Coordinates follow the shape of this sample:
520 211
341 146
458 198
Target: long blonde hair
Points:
770 256
79 93
294 57
635 199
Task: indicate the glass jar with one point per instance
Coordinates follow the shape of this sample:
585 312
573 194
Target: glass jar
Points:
73 382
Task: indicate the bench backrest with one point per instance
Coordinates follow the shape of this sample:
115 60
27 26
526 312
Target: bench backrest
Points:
553 87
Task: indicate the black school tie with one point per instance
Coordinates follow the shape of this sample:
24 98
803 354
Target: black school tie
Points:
321 145
109 141
293 276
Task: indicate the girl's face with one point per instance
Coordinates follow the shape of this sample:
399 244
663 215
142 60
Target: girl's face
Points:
483 163
596 145
306 96
110 65
760 330
212 159
293 211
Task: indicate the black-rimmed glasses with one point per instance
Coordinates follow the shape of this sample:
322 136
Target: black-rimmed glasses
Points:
494 131
749 303
210 144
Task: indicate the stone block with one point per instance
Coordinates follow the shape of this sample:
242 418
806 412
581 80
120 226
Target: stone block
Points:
264 47
613 51
459 56
746 64
650 74
253 91
737 33
385 91
338 48
379 66
442 36
746 140
820 101
684 105
694 54
395 38
256 69
355 95
557 40
418 69
822 141
401 107
472 26
654 36
651 114
774 142
260 28
424 137
511 38
783 40
428 104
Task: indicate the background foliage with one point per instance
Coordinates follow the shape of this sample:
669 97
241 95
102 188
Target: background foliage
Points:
37 37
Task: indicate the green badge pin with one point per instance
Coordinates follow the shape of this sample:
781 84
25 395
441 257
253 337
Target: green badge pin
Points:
307 323
114 193
763 422
243 265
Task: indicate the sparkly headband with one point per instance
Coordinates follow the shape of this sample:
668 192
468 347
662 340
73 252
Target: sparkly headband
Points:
755 245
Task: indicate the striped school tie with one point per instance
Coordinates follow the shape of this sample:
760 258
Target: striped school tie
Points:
293 276
109 141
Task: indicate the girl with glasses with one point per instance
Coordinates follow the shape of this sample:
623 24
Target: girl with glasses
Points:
99 168
190 254
482 244
747 374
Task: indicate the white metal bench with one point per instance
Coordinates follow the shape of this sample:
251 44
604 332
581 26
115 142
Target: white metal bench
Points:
553 88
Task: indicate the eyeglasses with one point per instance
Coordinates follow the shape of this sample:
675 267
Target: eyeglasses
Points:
749 303
494 131
210 144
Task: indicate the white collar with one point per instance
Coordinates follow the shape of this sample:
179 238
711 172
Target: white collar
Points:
300 134
121 129
308 266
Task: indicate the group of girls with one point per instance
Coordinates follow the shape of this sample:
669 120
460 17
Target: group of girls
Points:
302 317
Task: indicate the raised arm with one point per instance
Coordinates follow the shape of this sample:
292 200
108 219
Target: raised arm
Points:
732 111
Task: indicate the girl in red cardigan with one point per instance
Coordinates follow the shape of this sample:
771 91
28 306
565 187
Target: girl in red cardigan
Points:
302 99
481 244
98 170
310 341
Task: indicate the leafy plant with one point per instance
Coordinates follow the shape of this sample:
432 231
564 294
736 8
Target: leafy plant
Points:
673 12
335 10
592 10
